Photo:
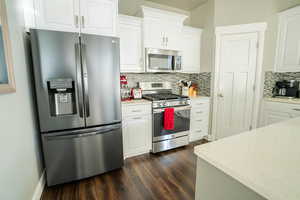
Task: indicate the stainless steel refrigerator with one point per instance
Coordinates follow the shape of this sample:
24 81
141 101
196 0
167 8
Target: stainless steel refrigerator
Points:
78 102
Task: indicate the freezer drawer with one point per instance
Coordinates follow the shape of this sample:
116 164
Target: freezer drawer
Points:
83 153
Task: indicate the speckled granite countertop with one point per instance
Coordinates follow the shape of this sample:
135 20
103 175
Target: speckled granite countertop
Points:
137 101
283 100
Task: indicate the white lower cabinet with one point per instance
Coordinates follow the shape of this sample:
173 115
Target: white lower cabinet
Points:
199 118
137 129
274 112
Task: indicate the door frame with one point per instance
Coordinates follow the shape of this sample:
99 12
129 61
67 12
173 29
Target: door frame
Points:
259 29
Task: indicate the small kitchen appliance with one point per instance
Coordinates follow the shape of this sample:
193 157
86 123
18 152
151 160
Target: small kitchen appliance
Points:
164 101
159 60
136 93
286 89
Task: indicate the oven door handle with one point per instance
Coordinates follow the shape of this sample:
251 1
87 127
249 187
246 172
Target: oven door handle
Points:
160 110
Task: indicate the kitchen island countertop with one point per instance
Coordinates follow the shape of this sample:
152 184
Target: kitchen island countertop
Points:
266 160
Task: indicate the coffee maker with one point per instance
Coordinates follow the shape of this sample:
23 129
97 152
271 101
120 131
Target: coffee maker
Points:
286 89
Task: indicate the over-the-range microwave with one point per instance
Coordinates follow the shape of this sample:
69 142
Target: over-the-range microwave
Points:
159 60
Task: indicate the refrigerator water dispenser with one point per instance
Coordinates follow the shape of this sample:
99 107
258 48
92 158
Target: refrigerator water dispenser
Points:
62 97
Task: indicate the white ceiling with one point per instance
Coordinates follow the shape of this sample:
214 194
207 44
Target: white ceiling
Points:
181 4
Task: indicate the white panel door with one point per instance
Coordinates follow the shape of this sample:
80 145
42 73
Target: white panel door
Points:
98 17
238 55
137 135
131 47
61 15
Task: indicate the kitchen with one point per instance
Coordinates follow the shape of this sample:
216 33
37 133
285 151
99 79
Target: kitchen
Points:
188 73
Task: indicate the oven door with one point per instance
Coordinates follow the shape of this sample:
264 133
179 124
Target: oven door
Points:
158 60
181 124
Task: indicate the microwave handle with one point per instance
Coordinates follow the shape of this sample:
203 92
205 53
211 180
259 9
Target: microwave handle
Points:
176 63
161 110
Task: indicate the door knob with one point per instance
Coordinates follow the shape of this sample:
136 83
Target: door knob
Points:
220 95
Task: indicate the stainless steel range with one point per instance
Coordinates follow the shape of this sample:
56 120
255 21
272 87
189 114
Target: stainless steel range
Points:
160 93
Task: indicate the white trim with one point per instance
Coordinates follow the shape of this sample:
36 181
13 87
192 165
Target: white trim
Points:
40 187
149 12
243 28
260 29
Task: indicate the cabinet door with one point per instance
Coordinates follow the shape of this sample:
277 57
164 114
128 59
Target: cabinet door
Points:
131 47
153 34
173 38
272 117
288 45
191 53
137 135
61 15
98 17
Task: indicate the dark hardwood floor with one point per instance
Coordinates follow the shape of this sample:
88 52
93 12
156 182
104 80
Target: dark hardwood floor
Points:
169 175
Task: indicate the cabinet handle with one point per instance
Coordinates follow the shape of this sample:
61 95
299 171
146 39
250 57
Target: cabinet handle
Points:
199 112
198 131
137 118
167 40
163 41
199 120
136 110
82 22
199 104
76 20
296 109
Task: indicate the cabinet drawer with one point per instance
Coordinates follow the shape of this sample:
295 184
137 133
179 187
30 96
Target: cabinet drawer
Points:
199 121
199 115
136 110
195 125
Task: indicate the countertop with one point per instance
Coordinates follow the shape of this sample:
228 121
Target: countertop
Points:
283 100
136 101
200 97
266 160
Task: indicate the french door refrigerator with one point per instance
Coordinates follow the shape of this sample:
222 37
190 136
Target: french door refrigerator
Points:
78 102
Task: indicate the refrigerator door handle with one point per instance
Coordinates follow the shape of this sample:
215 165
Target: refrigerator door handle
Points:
79 79
80 135
85 80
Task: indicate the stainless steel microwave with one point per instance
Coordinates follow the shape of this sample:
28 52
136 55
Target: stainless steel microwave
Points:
159 60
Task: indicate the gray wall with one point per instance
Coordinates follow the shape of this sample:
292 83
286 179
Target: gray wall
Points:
232 12
20 159
204 17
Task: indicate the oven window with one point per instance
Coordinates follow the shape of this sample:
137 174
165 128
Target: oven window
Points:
181 123
160 62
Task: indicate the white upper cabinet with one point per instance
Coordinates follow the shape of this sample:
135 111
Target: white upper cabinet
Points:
162 29
288 44
62 15
191 45
86 16
130 33
98 17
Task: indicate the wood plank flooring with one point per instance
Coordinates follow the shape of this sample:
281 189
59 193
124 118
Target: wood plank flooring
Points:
169 175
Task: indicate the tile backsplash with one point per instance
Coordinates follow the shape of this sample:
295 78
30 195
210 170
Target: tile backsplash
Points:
272 77
202 79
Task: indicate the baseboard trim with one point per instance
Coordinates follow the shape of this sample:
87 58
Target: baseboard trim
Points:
39 187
